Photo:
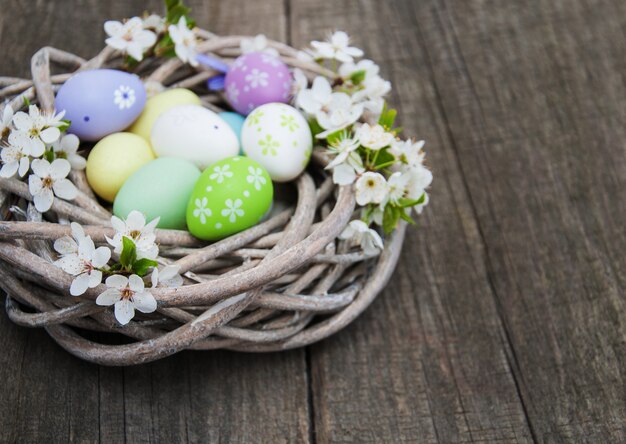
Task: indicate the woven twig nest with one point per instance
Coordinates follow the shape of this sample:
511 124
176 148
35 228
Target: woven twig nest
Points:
284 283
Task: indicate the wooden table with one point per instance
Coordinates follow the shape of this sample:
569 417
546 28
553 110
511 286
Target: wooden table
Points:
506 319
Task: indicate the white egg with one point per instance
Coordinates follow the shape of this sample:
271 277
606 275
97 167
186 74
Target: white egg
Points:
279 138
193 133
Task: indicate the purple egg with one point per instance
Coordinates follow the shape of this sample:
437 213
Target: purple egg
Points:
101 102
255 79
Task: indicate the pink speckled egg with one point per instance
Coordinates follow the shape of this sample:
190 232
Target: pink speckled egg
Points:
255 79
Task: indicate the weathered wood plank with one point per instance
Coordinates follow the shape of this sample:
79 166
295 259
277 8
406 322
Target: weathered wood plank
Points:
194 397
534 99
428 362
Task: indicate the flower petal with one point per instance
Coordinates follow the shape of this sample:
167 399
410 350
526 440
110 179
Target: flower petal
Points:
9 169
50 135
135 221
24 165
145 302
100 257
70 264
113 27
135 283
79 284
95 278
65 245
43 200
108 297
40 167
69 143
124 311
22 121
117 281
60 168
65 189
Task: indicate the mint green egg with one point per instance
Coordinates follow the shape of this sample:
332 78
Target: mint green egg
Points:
160 188
230 196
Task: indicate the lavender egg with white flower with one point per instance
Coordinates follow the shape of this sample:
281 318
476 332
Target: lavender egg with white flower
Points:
101 102
255 79
279 138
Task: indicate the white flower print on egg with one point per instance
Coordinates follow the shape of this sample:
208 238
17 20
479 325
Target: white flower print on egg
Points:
233 93
124 97
257 78
220 173
256 177
201 211
233 209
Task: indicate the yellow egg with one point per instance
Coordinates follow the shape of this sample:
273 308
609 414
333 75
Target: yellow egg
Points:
157 105
113 160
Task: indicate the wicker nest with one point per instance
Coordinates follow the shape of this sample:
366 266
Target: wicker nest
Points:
284 283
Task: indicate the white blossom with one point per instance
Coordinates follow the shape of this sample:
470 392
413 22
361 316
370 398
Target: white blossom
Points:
69 244
300 82
342 148
374 137
127 294
336 47
360 233
333 110
41 127
257 44
371 187
49 179
372 95
370 68
66 148
397 185
155 22
130 37
166 276
420 178
15 156
85 265
136 229
6 122
408 152
184 42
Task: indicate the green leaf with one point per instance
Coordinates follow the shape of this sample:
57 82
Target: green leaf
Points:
65 124
129 252
406 203
406 217
387 117
165 47
48 155
384 157
115 267
315 127
391 216
26 101
358 76
169 4
141 266
335 137
176 12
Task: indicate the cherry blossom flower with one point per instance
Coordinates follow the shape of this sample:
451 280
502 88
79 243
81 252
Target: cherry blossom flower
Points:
49 179
136 229
85 265
371 188
130 37
374 137
397 185
15 156
257 44
69 244
347 69
167 276
6 122
373 93
420 178
154 22
408 152
66 148
300 82
41 127
184 42
357 231
127 294
336 47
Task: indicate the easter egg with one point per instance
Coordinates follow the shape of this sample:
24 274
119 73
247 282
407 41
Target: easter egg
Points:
157 105
100 102
193 133
161 188
113 160
235 121
279 138
255 79
230 196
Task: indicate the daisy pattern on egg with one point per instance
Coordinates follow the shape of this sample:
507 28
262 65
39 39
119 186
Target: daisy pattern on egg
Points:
257 78
239 201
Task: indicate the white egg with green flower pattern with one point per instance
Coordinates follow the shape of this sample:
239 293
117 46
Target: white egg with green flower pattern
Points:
230 196
279 138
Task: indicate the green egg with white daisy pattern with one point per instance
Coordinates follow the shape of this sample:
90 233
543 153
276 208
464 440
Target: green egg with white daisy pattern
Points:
230 196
